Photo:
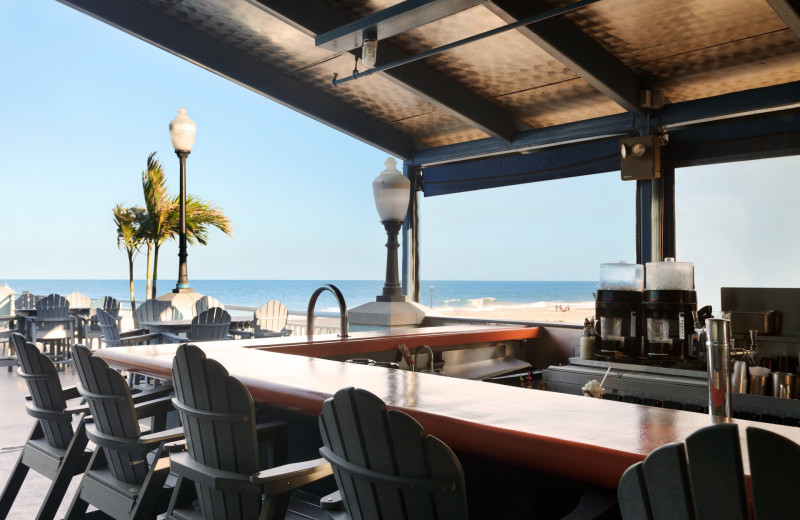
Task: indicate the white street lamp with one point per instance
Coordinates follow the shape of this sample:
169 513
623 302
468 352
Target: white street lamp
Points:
182 131
391 190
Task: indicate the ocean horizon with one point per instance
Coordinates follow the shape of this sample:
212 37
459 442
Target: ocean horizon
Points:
295 294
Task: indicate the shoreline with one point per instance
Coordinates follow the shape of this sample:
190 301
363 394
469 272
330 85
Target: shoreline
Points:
571 314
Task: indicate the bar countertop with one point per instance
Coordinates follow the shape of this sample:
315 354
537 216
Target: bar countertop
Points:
591 440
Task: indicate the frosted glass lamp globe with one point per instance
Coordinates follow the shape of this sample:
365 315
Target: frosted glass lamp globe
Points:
182 131
391 191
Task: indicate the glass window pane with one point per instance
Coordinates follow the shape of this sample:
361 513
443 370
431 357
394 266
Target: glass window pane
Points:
551 231
739 223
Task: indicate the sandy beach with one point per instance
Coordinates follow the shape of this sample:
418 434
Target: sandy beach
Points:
552 313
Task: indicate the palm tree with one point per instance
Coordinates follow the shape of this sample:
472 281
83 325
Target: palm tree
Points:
160 208
200 215
129 222
163 218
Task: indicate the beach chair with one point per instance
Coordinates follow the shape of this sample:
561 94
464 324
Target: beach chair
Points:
54 449
85 331
26 300
205 303
703 478
213 324
53 326
270 320
220 471
113 338
385 465
128 469
78 300
156 310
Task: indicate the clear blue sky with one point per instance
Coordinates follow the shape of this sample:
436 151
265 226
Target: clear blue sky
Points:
83 104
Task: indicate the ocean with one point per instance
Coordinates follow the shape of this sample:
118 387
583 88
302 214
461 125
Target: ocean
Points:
296 293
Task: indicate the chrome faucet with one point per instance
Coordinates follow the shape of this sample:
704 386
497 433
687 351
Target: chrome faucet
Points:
343 324
430 356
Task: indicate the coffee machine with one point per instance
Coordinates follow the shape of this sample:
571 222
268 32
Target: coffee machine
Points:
617 309
668 302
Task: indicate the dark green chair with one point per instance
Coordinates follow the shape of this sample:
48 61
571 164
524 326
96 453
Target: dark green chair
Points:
384 464
54 448
218 475
126 476
703 478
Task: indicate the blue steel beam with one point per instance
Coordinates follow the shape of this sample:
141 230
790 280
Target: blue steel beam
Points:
568 44
553 163
789 12
756 137
391 21
773 134
671 116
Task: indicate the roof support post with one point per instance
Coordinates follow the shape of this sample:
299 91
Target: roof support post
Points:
410 246
655 214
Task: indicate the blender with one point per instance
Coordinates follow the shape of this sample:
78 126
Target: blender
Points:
668 303
617 310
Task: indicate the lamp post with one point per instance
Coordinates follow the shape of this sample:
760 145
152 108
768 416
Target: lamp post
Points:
391 190
182 131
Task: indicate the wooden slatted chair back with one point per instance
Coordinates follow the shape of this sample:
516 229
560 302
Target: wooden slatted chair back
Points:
26 301
77 299
41 376
52 306
703 478
385 465
213 324
157 310
111 405
205 303
108 326
270 318
110 305
774 473
218 418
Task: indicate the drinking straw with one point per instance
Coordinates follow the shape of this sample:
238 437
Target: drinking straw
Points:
605 376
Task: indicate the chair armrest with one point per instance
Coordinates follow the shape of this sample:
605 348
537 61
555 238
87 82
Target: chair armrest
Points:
183 465
283 479
170 436
332 501
154 407
70 392
80 408
135 332
243 333
154 393
142 444
168 337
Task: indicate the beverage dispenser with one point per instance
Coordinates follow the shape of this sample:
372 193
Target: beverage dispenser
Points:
667 304
617 309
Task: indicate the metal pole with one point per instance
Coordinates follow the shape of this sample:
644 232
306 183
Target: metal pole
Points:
438 50
392 291
183 277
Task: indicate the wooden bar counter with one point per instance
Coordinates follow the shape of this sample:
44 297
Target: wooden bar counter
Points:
589 440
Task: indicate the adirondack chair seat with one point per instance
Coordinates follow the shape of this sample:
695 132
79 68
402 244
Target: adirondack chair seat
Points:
54 448
219 476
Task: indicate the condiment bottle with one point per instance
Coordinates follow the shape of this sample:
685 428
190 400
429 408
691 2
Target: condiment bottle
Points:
587 341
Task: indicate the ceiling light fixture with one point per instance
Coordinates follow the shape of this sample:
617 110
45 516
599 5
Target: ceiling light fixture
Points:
369 52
